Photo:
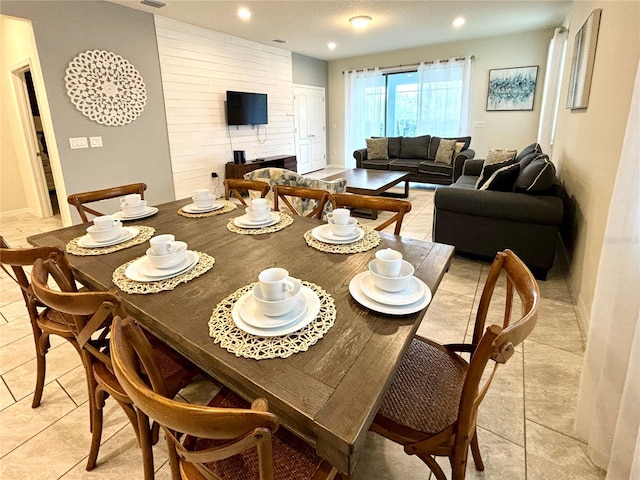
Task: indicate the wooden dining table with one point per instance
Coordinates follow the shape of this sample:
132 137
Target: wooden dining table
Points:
327 395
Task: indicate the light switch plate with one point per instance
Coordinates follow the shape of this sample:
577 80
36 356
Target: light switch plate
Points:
95 142
78 142
479 124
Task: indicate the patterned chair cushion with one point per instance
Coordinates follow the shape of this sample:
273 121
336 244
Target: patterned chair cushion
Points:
281 176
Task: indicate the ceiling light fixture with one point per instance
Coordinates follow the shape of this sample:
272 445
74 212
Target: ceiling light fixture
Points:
153 3
278 40
244 13
331 45
360 22
458 22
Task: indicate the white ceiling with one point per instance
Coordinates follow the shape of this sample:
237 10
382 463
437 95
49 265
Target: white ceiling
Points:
308 26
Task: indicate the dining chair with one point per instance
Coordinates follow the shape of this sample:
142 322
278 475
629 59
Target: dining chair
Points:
44 321
432 405
79 200
308 196
235 187
369 202
227 439
92 313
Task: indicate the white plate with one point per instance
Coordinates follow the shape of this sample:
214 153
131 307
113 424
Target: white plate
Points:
319 234
147 213
127 234
244 222
356 292
313 308
327 233
191 208
132 272
412 293
250 312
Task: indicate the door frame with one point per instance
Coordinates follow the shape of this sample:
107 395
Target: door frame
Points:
324 117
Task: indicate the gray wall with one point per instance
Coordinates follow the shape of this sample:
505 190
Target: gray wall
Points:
135 152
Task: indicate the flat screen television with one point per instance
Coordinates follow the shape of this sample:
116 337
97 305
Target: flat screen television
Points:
246 108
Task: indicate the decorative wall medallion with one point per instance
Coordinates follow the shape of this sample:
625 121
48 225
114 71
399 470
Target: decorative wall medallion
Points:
105 87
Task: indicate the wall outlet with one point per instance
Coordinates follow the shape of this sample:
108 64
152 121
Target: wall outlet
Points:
78 142
95 142
214 174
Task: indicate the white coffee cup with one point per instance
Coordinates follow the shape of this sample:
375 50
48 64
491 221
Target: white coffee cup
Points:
339 216
388 262
204 201
106 222
162 244
202 193
259 204
131 200
345 230
274 283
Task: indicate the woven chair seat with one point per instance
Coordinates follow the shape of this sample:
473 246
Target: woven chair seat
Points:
426 391
54 316
293 459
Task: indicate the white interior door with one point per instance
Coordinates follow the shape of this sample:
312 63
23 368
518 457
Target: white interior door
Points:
310 137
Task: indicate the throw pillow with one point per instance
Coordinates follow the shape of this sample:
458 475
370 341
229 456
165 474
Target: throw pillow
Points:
533 148
458 149
497 155
445 151
377 148
496 159
415 147
502 179
538 176
527 159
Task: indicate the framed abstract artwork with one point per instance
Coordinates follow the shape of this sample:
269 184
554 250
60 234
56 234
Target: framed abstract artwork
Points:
584 55
512 88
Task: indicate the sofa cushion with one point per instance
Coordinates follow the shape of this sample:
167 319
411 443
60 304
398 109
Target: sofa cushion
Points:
405 165
529 149
538 176
435 143
377 148
445 151
496 159
527 159
376 164
415 147
394 147
502 180
431 166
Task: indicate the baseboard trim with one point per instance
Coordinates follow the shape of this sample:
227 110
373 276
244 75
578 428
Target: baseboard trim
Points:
581 310
19 211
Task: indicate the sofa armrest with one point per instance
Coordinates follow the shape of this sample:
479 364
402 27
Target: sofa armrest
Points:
518 207
360 156
473 167
459 160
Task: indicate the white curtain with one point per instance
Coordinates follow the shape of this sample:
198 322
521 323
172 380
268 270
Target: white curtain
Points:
443 97
608 415
551 92
364 109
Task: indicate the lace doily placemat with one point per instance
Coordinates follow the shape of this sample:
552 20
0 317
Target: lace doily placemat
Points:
228 207
370 240
145 234
205 263
285 221
224 331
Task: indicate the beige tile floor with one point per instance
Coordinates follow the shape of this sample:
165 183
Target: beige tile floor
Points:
525 423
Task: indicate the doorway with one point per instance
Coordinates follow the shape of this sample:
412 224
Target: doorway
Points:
310 131
41 143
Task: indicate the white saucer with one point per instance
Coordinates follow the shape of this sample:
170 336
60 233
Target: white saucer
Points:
320 233
120 215
244 222
250 312
356 292
313 308
127 234
135 270
412 293
191 208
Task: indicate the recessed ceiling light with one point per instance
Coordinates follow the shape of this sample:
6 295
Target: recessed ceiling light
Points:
460 21
331 45
360 22
244 13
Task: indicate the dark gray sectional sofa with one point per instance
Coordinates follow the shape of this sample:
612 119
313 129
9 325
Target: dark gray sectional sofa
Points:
416 155
483 222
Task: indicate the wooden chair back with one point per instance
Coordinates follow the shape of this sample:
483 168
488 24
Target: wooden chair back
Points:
369 202
238 429
79 200
319 197
235 187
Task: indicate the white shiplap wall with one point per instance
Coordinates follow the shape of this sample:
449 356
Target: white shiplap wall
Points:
198 67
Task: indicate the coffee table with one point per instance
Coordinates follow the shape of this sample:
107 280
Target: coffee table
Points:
364 181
